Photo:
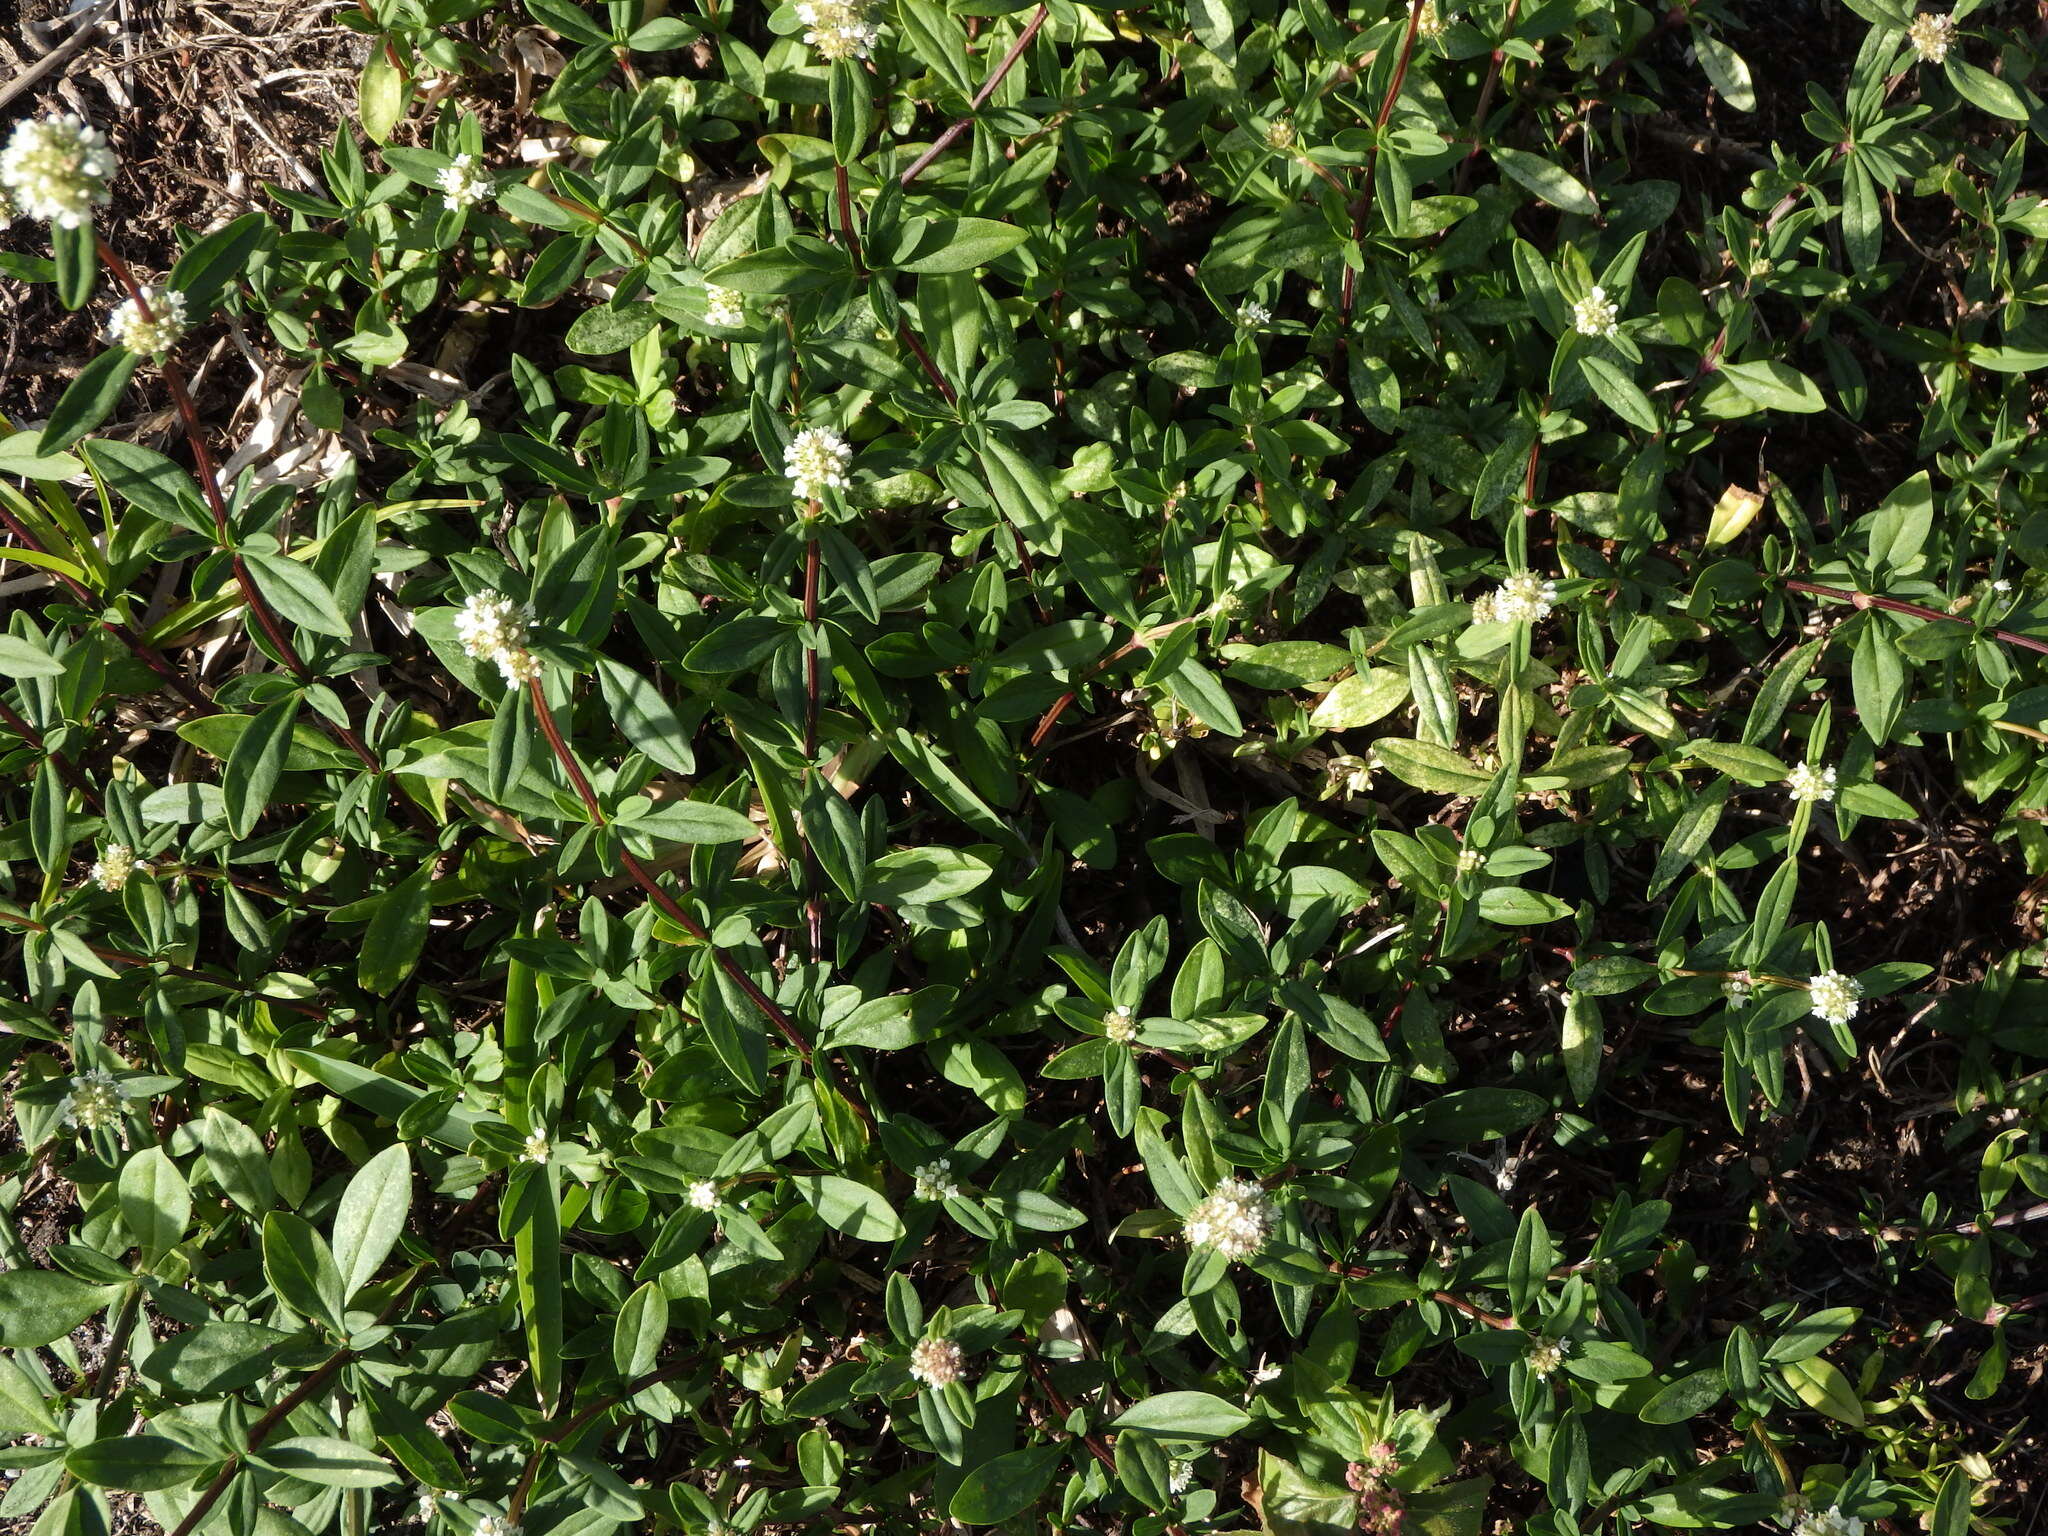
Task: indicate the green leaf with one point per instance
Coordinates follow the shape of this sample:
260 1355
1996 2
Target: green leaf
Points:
27 658
329 1462
637 1335
23 1410
1512 904
381 94
924 875
1725 67
296 593
1548 180
1006 1486
371 1216
144 1463
156 1202
1619 392
40 1306
301 1269
1425 765
845 1206
1983 89
88 399
1774 385
954 245
216 260
255 763
1184 1415
77 264
1824 1388
397 933
607 329
1685 1398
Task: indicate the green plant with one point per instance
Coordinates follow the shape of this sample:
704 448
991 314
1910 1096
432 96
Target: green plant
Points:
1080 803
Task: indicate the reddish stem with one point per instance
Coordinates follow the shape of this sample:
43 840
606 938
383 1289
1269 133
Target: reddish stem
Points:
945 140
1917 610
1363 208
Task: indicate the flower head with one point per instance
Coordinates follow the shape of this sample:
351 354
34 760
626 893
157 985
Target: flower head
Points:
1253 315
462 184
816 458
937 1362
537 1148
1836 998
1596 315
1930 35
1546 1355
1471 861
1180 1477
1827 1522
94 1101
56 168
111 870
1807 783
704 1195
1524 598
838 29
1234 1219
1280 134
153 334
1429 26
935 1180
496 1525
1347 775
1119 1026
724 306
1738 993
493 628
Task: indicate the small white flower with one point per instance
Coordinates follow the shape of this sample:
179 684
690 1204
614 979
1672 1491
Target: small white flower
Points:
153 334
1119 1026
1264 1374
113 868
1546 1355
937 1362
1596 315
1930 36
94 1101
427 1505
1234 1219
1738 993
462 184
816 458
1524 598
740 1463
1279 134
1347 775
56 168
496 1525
1180 1477
490 624
1470 861
1807 783
724 306
518 668
1827 1522
838 29
1836 998
935 1181
537 1149
704 1195
1430 25
1253 315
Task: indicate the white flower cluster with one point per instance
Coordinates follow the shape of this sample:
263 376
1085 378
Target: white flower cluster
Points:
152 334
1546 1355
724 306
1827 1522
56 168
1596 315
1836 998
935 1181
1180 1477
537 1149
1234 1219
704 1195
1931 36
1738 993
113 868
462 184
1470 861
817 458
1807 783
838 29
937 1362
1252 315
493 628
1429 26
1524 598
496 1525
94 1100
1120 1027
1347 775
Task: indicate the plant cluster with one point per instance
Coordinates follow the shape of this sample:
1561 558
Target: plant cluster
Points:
1115 770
